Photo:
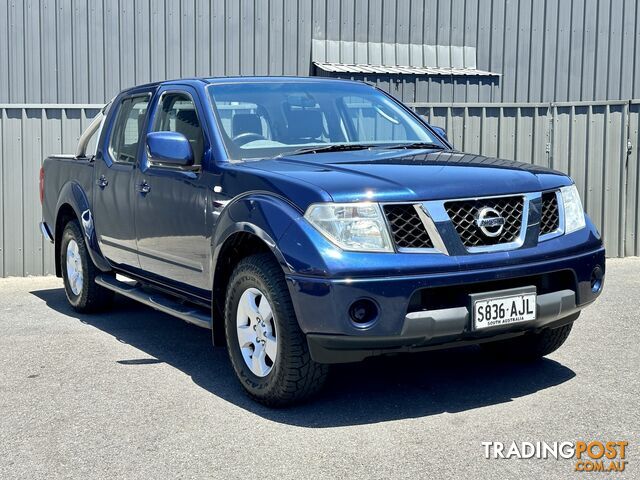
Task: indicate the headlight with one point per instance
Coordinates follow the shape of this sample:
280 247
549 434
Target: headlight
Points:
351 226
573 212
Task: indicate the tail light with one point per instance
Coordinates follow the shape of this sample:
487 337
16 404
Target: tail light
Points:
41 185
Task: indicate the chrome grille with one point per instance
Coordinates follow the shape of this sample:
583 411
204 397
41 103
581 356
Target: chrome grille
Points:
550 219
406 227
464 214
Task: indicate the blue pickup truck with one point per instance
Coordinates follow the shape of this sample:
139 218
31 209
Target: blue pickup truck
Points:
309 221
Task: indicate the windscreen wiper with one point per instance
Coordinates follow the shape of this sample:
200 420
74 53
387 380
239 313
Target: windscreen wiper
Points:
414 145
343 147
336 147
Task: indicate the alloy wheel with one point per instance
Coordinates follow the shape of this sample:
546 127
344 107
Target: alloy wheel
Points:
256 331
74 267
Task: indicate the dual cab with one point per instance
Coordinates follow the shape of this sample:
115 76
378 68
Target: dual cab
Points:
315 221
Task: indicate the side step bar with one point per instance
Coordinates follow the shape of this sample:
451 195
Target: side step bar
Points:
157 300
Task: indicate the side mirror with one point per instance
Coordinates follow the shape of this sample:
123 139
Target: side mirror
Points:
440 131
169 148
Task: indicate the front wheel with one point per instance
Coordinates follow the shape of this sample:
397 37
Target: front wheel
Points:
268 351
79 272
530 346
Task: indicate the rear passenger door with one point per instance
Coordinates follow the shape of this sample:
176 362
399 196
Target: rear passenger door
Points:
114 176
171 202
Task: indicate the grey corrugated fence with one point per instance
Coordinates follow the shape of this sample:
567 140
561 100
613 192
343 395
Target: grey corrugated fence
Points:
28 133
595 142
80 51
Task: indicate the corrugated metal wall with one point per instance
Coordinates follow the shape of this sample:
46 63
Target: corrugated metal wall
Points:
588 140
632 200
58 52
26 136
80 51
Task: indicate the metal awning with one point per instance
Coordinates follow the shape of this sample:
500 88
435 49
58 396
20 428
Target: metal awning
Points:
401 70
343 56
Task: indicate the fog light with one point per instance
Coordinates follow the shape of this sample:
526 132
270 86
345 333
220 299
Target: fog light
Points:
363 312
597 277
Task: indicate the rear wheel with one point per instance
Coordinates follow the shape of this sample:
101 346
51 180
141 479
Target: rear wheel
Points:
530 346
79 272
268 351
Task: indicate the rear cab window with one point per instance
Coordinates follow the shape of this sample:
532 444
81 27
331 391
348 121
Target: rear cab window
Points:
125 137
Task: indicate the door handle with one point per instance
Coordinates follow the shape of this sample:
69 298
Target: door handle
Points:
102 181
144 188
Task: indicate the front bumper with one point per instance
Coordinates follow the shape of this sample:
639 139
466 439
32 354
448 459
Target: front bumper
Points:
429 330
322 307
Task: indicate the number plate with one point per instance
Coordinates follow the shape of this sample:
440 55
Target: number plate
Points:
502 311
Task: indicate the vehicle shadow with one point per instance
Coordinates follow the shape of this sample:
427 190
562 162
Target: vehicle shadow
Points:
377 390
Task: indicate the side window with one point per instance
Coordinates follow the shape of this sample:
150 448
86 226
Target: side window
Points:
372 121
123 144
177 113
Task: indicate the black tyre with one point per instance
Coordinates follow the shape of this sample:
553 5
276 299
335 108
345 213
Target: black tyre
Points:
79 273
530 346
268 351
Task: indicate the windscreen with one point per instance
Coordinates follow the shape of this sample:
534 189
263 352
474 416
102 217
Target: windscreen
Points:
268 119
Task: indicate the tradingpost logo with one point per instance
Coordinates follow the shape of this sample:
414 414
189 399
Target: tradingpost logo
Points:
589 456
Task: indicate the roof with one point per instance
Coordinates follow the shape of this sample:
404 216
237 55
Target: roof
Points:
400 69
236 79
273 79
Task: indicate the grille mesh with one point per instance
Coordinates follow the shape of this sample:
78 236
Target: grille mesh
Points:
406 227
550 219
465 212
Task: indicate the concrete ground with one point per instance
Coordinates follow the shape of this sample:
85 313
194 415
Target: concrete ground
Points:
137 394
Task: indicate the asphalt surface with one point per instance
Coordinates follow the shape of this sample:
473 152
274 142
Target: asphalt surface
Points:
137 394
